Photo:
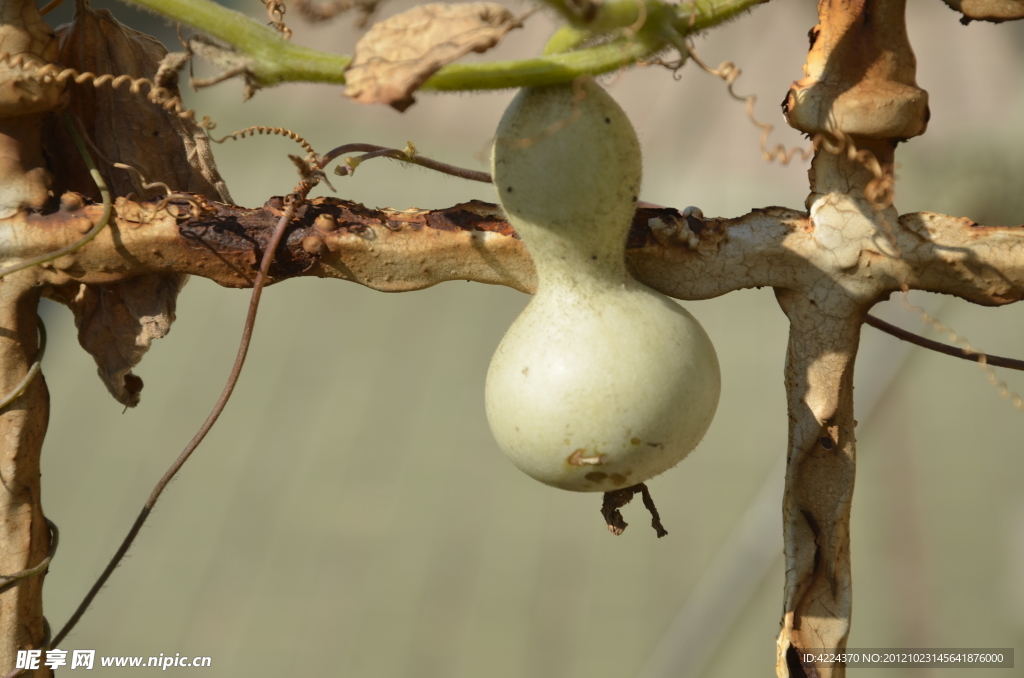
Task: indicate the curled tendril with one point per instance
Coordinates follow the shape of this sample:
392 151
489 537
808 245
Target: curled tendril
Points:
7 580
729 72
52 73
275 11
199 205
674 66
260 129
20 388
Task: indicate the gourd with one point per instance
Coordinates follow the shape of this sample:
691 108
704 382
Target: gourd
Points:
601 383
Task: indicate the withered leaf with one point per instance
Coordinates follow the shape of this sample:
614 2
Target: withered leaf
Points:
126 127
117 322
397 55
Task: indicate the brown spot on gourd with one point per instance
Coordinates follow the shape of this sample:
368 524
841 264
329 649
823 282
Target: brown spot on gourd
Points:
618 479
596 476
635 441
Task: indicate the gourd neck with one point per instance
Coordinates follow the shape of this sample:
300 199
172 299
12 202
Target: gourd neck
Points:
589 260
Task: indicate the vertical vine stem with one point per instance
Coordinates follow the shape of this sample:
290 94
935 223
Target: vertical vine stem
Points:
24 534
819 483
24 185
859 87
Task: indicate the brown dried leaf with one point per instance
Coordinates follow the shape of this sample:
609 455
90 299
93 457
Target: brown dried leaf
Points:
117 322
127 127
397 55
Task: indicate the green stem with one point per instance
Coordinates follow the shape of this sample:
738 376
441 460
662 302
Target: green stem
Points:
710 13
274 59
686 17
270 60
605 16
566 39
549 70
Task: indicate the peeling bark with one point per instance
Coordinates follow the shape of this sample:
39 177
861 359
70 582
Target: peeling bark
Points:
820 473
24 535
394 251
24 185
861 97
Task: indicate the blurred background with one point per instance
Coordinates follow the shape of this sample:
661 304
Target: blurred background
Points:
350 514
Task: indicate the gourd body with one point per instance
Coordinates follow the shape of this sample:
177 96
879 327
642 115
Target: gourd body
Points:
601 382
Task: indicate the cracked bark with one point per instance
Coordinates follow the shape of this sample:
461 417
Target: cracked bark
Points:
821 464
859 88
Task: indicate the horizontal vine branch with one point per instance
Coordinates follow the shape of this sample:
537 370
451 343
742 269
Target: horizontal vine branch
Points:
398 251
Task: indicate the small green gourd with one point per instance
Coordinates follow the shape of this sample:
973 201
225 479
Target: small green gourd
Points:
601 383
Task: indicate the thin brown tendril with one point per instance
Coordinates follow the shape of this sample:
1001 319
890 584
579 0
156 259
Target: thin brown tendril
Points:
275 11
49 7
878 192
33 370
729 72
146 185
260 129
9 580
674 66
946 349
408 155
982 359
292 203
